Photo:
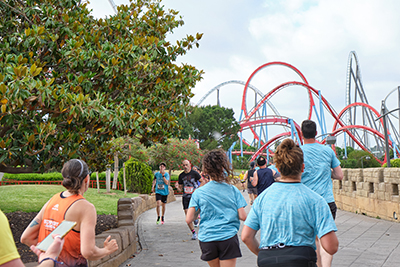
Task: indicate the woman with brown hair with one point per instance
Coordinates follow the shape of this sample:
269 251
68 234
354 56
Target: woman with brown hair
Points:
221 207
70 205
290 216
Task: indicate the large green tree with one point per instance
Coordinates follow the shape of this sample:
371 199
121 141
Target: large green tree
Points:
213 126
69 83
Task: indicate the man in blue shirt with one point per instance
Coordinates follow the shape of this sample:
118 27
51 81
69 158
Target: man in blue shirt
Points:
321 166
160 183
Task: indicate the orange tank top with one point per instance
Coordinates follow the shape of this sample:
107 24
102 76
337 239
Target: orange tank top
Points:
53 215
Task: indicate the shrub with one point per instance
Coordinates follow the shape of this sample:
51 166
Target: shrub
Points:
51 176
395 163
174 177
139 177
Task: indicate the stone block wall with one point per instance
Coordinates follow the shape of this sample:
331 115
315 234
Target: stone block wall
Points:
373 192
129 209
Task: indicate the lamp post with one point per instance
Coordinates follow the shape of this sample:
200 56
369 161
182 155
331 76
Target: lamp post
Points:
366 157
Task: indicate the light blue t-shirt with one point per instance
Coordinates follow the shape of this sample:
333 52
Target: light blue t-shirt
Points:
318 161
218 204
161 186
273 167
290 213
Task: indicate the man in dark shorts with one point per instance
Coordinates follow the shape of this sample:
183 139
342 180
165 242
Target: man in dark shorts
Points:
188 181
251 190
160 183
320 167
263 177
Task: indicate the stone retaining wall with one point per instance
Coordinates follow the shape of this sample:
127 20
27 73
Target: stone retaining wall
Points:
373 192
129 210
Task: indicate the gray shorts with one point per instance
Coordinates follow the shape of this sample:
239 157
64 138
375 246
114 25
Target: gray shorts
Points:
252 190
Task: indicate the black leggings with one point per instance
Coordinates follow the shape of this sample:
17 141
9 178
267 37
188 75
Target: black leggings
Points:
287 257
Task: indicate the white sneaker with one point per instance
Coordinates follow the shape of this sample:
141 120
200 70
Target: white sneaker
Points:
194 236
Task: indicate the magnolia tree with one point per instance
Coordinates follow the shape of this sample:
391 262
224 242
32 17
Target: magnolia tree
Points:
174 152
69 83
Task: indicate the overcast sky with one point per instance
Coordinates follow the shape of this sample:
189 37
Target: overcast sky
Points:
316 37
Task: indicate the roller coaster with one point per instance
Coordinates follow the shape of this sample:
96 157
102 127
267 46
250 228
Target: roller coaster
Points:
358 124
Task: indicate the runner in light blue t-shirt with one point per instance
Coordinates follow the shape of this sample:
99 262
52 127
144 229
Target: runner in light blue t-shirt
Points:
221 207
290 216
321 166
160 187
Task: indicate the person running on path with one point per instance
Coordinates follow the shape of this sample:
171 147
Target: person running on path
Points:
187 181
242 179
160 184
80 243
221 206
321 166
251 190
263 177
290 216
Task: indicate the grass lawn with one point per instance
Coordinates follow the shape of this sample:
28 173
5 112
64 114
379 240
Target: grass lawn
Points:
31 198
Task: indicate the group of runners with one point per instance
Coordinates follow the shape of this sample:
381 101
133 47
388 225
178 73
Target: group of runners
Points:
292 205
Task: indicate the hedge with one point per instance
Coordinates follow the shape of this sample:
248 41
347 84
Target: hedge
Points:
52 176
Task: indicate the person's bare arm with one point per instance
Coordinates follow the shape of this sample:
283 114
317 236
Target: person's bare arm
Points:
254 181
165 179
89 249
153 185
242 214
245 176
191 215
178 187
249 238
30 235
337 173
13 263
330 242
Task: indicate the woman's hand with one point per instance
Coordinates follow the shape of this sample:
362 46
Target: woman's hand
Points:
53 251
110 245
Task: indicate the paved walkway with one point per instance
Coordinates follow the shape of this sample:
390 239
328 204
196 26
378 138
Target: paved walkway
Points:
363 241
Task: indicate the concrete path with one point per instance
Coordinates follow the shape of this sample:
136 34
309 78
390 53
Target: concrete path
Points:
363 241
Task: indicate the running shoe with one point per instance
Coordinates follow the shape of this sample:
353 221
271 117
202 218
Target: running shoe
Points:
162 222
194 236
158 221
196 223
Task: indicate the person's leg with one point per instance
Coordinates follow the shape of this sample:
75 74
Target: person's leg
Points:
214 263
228 263
158 208
163 209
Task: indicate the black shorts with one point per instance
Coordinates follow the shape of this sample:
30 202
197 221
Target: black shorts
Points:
224 250
302 256
185 202
162 198
333 208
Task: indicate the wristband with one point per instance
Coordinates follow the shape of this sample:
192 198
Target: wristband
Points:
48 258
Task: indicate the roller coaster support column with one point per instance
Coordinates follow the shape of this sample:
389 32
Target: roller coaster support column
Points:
345 145
229 153
293 131
395 149
241 135
383 110
320 117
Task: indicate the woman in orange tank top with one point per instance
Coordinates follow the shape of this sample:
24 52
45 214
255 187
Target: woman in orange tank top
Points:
70 205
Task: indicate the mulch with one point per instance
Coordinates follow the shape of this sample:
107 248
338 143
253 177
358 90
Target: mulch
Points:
20 220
